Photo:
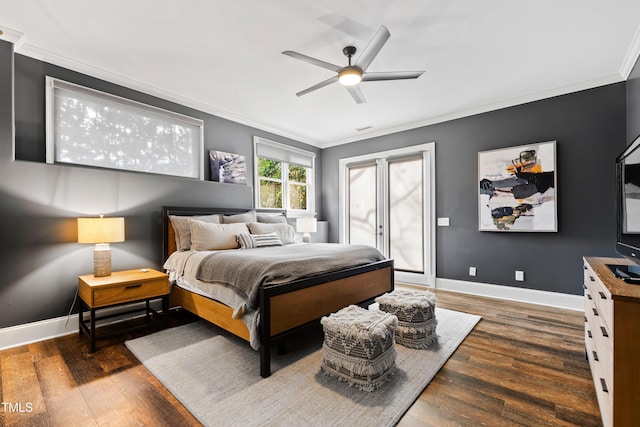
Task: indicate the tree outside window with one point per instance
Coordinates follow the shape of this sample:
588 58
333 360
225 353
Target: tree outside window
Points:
278 177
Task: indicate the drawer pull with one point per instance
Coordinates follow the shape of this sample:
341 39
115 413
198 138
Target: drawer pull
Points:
595 356
133 286
584 266
595 312
584 286
604 332
589 296
604 385
602 295
589 333
592 279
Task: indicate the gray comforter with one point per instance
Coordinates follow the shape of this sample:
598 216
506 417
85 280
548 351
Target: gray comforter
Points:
246 270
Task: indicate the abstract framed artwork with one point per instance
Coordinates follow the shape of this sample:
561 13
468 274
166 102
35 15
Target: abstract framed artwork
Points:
228 167
517 188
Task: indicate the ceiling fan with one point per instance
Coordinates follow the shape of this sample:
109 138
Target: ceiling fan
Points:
355 73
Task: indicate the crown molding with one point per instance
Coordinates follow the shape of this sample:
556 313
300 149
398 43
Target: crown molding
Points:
590 84
12 36
103 74
26 49
631 57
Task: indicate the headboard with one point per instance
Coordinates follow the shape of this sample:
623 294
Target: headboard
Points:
168 234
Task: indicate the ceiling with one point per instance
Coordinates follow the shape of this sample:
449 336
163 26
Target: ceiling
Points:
224 57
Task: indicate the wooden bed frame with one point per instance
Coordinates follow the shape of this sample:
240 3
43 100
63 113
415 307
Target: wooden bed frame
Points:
286 308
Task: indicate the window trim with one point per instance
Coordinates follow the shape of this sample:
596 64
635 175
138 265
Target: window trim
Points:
282 153
52 83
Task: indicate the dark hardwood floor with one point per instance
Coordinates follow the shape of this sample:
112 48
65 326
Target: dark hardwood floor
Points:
521 365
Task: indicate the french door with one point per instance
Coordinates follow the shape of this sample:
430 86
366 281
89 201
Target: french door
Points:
387 202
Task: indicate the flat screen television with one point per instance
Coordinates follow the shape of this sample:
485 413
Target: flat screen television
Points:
628 211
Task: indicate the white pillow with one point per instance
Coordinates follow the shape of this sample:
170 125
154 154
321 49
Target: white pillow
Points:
208 237
182 229
286 232
243 217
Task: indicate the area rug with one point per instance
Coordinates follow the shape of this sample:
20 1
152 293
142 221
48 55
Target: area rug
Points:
216 376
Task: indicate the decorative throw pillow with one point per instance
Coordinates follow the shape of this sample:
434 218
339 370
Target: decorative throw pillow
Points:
286 232
272 219
250 241
183 231
243 217
208 237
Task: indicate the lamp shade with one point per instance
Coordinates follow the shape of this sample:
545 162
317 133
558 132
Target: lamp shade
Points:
100 230
306 225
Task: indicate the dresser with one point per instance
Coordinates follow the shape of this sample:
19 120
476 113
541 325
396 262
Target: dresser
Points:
612 341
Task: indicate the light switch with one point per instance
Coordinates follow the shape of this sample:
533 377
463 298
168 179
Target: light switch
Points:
443 222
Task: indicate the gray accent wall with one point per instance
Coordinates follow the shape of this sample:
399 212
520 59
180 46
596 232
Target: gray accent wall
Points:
590 130
39 257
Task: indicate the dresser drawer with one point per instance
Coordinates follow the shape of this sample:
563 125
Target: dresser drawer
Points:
600 295
130 292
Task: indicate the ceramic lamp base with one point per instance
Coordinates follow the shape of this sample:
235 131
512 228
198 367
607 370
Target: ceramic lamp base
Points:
102 260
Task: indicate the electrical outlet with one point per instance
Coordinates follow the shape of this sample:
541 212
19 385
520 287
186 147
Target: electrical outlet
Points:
520 276
443 222
472 271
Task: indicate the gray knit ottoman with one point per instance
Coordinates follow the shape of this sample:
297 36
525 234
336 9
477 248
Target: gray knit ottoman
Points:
359 347
416 316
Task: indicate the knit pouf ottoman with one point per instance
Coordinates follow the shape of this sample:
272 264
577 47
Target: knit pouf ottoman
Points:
416 316
359 347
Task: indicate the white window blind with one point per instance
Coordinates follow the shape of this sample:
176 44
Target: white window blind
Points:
288 184
93 128
283 153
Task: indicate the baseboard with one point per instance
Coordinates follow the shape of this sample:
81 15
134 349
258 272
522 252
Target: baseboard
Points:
510 293
15 336
27 333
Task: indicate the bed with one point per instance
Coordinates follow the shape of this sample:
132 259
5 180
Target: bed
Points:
281 309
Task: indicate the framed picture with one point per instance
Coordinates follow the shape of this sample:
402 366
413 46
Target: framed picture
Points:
228 167
517 188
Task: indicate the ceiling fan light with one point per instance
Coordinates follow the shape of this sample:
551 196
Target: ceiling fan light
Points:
350 76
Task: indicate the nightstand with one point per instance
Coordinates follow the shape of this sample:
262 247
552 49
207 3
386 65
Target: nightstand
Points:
120 288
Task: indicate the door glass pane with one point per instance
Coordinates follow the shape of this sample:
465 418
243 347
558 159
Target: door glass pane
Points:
363 219
406 236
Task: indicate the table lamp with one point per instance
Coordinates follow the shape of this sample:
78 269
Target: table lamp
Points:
306 225
101 231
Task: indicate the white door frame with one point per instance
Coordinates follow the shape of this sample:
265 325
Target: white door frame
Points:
428 151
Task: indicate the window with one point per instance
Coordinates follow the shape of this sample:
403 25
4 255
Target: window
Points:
284 177
93 128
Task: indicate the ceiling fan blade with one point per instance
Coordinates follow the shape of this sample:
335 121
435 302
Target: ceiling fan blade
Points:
356 93
311 60
391 75
369 53
318 86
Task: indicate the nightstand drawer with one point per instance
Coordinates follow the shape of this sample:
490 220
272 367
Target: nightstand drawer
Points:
130 292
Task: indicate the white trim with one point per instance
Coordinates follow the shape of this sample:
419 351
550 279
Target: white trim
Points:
100 73
27 333
23 48
562 90
428 151
12 36
511 293
311 185
630 59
